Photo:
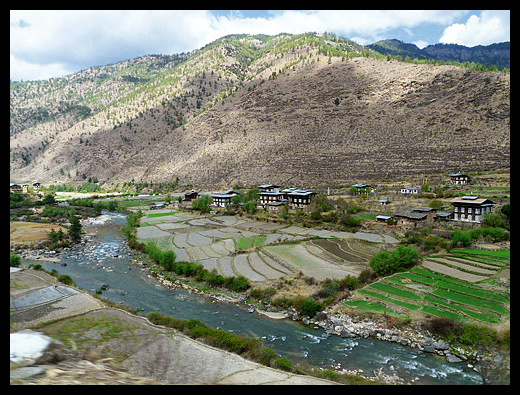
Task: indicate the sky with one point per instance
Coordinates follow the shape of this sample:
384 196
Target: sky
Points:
55 43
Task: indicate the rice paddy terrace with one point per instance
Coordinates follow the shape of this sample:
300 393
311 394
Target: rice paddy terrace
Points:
464 285
260 250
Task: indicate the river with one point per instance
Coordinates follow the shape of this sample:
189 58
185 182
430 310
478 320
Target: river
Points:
108 261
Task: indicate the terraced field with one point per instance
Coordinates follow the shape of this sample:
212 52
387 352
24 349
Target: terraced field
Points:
445 286
256 250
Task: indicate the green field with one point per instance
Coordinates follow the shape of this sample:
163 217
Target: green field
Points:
245 243
161 214
435 294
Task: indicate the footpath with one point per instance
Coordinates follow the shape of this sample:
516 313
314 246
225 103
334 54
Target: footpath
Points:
116 347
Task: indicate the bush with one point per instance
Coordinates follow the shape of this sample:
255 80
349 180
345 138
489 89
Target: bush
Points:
310 307
267 355
239 284
202 204
385 263
14 259
66 279
284 363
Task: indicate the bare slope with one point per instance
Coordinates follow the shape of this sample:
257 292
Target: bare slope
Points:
326 121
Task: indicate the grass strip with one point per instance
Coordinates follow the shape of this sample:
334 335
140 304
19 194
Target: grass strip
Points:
437 311
372 307
480 293
428 273
395 291
161 214
486 317
402 303
471 301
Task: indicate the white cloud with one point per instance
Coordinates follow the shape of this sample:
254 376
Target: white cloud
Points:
50 43
420 44
490 27
21 70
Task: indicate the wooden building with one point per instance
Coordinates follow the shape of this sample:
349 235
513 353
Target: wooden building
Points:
471 208
221 199
300 199
268 188
189 196
410 218
264 198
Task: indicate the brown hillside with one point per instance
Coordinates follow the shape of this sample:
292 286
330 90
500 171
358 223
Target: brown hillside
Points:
392 118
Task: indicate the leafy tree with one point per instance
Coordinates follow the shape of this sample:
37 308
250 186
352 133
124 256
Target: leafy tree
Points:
75 229
202 204
250 207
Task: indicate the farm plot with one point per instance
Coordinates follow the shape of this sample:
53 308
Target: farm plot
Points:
431 293
298 257
212 241
242 267
336 249
150 232
452 272
466 267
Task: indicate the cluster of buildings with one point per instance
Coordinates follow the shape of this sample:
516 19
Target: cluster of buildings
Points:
270 196
465 208
23 188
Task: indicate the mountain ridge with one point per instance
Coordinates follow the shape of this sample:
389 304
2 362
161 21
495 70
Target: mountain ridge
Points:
291 109
496 54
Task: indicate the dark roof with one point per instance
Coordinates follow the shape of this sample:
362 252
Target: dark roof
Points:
444 214
410 215
422 209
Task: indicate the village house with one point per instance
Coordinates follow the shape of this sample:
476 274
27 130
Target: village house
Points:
36 185
459 179
265 198
300 198
15 187
276 206
223 199
410 190
471 208
362 188
430 212
443 215
189 196
410 218
268 188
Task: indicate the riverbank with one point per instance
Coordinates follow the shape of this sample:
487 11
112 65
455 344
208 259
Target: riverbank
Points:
232 298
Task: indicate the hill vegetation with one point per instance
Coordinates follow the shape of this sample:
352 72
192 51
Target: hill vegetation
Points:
305 109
